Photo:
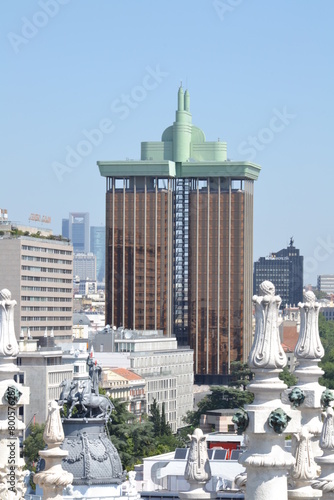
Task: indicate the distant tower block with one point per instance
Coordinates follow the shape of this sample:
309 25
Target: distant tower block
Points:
179 244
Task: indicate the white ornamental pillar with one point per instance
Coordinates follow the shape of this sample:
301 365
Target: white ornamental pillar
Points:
306 396
325 483
12 396
53 479
269 420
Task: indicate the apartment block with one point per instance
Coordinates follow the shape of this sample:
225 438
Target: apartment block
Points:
39 274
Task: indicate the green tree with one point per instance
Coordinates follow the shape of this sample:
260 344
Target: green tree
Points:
241 375
134 439
155 418
326 331
165 428
33 444
221 397
287 377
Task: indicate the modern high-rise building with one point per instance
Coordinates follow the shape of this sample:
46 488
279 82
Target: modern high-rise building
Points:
285 270
98 248
65 228
179 244
76 228
84 266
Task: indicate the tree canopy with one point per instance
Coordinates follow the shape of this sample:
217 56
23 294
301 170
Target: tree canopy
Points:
135 440
287 377
241 375
326 331
33 444
221 397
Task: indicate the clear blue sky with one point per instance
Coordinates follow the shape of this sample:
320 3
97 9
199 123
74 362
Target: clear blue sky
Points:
260 75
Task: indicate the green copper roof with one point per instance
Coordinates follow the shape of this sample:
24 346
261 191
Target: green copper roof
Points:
182 152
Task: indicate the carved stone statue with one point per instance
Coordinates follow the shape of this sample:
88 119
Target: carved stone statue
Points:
278 420
241 420
81 395
326 398
296 397
8 342
267 351
95 371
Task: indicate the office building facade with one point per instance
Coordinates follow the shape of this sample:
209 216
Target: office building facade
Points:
98 248
179 232
325 283
167 369
84 266
39 274
76 229
285 270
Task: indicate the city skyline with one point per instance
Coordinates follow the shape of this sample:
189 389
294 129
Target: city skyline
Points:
72 83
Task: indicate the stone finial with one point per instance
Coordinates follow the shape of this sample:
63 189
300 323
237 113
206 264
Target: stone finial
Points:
267 351
53 432
309 344
8 343
305 467
198 465
197 471
53 479
325 482
327 435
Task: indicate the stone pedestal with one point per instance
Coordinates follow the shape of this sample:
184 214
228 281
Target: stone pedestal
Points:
92 458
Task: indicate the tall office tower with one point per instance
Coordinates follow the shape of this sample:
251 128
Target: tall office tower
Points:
65 228
98 248
179 244
285 270
84 266
78 231
39 273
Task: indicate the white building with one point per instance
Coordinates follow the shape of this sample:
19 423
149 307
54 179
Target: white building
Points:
42 370
38 272
325 283
84 266
167 369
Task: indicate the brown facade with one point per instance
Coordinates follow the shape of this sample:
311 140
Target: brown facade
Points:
139 232
220 265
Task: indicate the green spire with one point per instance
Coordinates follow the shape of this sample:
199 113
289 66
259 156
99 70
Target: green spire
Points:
180 99
187 101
